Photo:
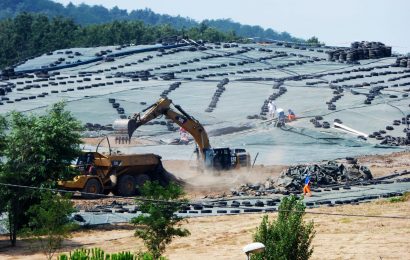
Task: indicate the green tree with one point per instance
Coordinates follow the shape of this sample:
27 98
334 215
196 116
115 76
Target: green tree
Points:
313 40
38 153
3 127
288 237
159 225
49 222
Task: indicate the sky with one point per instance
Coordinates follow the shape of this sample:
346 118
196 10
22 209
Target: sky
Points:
335 22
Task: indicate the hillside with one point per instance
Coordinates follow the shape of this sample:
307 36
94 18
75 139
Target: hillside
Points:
28 35
86 15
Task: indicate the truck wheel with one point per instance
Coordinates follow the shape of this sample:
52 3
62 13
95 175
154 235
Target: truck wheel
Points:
126 186
140 180
92 186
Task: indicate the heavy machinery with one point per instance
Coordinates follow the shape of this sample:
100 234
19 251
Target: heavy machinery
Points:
117 173
212 158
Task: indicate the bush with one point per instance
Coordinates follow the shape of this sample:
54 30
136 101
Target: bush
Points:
159 225
49 222
405 197
99 254
289 237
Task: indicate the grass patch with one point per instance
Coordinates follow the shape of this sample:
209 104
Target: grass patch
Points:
405 197
345 220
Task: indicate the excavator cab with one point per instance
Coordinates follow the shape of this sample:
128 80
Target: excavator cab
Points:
84 162
223 159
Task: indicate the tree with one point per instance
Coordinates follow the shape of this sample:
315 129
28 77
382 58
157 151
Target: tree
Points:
3 127
49 222
313 40
30 35
289 237
159 225
38 153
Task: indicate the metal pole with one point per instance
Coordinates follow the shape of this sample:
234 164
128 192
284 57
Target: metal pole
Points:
255 159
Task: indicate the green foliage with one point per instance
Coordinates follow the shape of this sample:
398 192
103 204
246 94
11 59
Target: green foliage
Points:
98 254
313 40
86 15
405 197
38 152
159 225
289 237
40 148
3 127
29 35
49 222
33 27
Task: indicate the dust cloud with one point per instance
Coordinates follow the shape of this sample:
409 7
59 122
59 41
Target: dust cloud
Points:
208 183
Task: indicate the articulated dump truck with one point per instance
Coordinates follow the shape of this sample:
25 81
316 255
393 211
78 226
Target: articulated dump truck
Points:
122 175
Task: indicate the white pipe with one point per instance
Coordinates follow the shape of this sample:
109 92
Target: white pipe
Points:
348 129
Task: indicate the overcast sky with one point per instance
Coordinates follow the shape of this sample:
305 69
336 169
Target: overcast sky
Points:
336 22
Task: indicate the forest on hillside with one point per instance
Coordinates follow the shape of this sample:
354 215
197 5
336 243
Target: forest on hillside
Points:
86 15
29 35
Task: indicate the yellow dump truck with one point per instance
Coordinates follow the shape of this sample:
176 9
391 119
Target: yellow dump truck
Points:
120 174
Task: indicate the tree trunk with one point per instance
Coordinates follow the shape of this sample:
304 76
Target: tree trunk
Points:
13 228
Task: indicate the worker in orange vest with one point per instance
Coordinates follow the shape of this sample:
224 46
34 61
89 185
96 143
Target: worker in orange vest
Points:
306 188
291 115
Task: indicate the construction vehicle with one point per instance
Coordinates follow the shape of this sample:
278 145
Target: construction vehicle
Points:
212 158
117 173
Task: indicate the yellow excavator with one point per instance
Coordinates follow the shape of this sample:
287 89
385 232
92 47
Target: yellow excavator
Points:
212 158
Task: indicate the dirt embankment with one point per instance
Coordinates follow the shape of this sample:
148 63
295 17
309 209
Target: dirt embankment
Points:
381 165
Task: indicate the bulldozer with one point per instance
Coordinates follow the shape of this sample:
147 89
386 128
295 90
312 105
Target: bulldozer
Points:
121 174
210 158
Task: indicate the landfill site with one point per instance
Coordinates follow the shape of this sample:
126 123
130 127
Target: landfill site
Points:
218 118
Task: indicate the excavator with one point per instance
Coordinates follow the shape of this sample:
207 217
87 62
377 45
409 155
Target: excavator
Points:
212 158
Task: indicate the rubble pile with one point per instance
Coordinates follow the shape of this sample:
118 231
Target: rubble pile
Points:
293 178
328 173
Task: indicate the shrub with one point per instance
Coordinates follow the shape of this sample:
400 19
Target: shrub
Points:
159 225
288 237
49 222
99 254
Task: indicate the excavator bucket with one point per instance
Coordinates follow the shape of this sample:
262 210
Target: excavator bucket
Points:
126 125
132 126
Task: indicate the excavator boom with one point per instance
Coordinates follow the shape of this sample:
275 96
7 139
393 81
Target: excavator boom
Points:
178 116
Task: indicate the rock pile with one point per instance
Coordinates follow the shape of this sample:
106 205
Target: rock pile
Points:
328 173
293 178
